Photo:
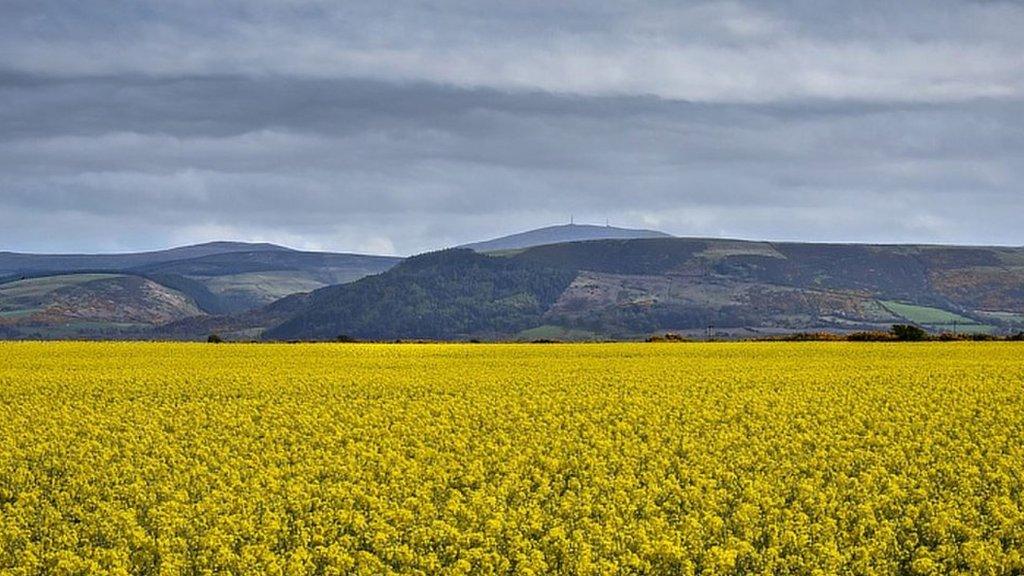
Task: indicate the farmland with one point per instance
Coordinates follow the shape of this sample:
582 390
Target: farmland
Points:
717 458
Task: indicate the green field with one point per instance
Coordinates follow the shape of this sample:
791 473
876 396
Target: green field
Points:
936 318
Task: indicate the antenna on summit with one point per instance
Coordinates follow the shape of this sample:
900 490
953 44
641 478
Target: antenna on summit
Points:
572 219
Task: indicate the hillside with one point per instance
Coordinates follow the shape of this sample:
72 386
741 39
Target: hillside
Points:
594 289
220 277
89 306
633 288
244 281
248 325
560 234
752 287
454 294
14 263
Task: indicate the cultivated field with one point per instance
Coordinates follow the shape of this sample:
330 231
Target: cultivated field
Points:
814 458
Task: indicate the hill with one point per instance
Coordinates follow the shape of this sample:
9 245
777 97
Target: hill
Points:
760 287
454 294
89 306
633 288
221 277
136 294
15 263
242 281
592 289
560 234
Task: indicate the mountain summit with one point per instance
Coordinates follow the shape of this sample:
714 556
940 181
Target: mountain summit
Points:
561 234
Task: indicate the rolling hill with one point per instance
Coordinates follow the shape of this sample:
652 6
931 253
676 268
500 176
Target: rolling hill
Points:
454 294
583 289
634 288
89 306
15 263
129 295
750 288
560 234
243 281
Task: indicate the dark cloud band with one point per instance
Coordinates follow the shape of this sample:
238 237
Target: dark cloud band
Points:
133 125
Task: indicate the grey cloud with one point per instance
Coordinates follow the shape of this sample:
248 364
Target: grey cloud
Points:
941 50
402 127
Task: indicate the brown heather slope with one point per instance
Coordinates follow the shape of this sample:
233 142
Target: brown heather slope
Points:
112 299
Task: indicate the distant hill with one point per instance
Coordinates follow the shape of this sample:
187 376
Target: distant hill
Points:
243 281
583 289
248 325
750 288
454 294
89 306
634 288
12 263
127 295
560 234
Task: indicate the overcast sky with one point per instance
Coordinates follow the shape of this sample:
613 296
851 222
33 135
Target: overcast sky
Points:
396 127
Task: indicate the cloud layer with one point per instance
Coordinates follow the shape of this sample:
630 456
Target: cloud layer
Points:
401 127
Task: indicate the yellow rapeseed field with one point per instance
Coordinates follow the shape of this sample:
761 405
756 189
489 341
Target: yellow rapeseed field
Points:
812 458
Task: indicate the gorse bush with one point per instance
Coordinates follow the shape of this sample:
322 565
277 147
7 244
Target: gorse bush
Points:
908 333
748 458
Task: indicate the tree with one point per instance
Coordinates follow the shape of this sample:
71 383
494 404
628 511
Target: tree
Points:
908 333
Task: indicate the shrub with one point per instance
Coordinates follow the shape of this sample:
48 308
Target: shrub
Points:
214 339
908 333
871 337
669 337
811 337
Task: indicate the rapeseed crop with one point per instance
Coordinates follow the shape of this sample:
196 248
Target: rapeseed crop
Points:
748 458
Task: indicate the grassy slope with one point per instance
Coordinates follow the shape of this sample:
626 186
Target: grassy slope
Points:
925 314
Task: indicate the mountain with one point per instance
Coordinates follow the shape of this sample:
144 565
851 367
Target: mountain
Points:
560 234
634 288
